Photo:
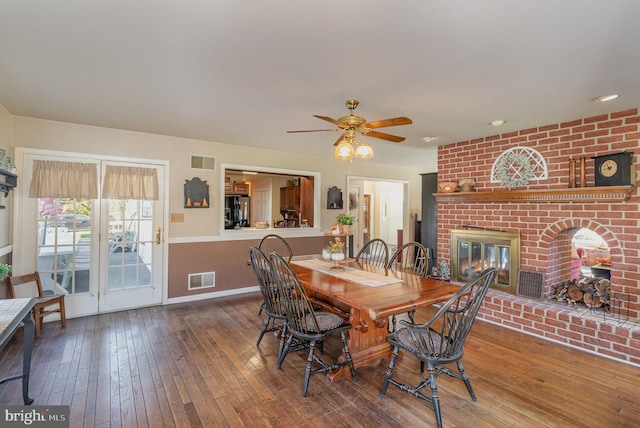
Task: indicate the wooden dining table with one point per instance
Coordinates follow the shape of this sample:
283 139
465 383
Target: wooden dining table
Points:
367 307
13 313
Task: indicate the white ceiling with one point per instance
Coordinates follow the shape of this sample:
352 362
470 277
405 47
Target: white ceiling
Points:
245 72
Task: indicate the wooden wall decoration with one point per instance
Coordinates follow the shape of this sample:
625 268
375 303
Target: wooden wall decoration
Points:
334 198
196 193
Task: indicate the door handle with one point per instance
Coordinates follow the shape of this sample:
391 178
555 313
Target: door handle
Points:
158 239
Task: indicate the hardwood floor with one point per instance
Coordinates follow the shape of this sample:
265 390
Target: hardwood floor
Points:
196 364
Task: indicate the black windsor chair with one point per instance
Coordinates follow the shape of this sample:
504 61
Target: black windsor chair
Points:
440 341
307 325
412 257
273 303
273 243
374 253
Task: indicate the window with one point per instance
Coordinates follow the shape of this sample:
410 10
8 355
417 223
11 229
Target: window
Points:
256 197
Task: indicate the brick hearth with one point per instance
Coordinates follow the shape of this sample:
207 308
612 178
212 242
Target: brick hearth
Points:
544 226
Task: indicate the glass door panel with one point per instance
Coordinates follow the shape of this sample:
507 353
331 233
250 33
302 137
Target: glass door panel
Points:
130 244
463 259
64 245
489 256
476 259
503 265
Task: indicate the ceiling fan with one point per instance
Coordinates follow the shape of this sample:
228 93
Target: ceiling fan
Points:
351 125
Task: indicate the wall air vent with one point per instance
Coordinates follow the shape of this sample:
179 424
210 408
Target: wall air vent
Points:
530 284
202 280
203 162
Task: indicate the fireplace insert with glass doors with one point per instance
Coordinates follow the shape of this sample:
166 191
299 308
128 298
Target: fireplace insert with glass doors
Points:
473 251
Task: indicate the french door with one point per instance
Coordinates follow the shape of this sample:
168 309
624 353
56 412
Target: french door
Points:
130 257
103 254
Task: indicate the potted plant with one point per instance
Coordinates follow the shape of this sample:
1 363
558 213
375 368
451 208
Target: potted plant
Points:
337 253
5 271
337 246
345 220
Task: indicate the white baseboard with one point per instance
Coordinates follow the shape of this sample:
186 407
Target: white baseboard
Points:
212 295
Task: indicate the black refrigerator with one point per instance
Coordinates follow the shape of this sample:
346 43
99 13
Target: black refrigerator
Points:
237 211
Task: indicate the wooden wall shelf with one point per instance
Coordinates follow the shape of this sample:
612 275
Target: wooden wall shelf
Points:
8 181
579 194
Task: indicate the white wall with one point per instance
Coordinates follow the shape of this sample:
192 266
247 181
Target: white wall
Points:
51 135
5 143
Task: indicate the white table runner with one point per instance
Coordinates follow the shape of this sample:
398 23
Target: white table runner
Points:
358 276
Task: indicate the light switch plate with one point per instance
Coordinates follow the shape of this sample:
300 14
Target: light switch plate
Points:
177 217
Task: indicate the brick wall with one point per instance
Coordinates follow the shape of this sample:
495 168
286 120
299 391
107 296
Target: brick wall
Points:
544 226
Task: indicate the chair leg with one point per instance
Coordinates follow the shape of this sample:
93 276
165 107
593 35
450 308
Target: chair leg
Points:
345 346
265 325
63 314
307 372
466 380
37 322
435 400
283 338
285 351
261 308
387 376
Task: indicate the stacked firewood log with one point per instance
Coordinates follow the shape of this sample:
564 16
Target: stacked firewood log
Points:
592 292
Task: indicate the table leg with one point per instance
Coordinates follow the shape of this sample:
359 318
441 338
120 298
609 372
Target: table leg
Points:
367 343
29 329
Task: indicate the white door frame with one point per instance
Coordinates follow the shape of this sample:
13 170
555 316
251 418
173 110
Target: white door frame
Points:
24 257
358 181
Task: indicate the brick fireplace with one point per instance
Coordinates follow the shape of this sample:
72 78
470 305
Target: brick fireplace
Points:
545 217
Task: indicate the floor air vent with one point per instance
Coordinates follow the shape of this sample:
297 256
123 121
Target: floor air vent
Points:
530 284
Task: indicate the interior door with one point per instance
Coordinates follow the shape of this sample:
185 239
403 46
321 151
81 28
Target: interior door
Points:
261 205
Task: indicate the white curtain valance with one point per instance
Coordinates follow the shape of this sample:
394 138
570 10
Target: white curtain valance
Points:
130 182
57 179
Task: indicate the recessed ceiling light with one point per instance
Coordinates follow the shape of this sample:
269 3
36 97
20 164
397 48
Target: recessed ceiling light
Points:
427 139
603 98
498 122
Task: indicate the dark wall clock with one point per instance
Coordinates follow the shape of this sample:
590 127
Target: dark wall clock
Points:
614 169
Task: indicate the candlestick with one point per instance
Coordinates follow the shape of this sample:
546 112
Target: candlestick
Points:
583 172
572 173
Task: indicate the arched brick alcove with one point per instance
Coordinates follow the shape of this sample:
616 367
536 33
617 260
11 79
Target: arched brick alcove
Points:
555 240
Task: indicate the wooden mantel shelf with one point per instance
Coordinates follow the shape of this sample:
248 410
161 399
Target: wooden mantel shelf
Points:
579 194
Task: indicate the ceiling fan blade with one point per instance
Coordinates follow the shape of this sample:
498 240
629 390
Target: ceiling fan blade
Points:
335 122
314 130
383 136
396 121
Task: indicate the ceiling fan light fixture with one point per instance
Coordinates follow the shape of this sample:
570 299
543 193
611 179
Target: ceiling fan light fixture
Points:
344 151
364 151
